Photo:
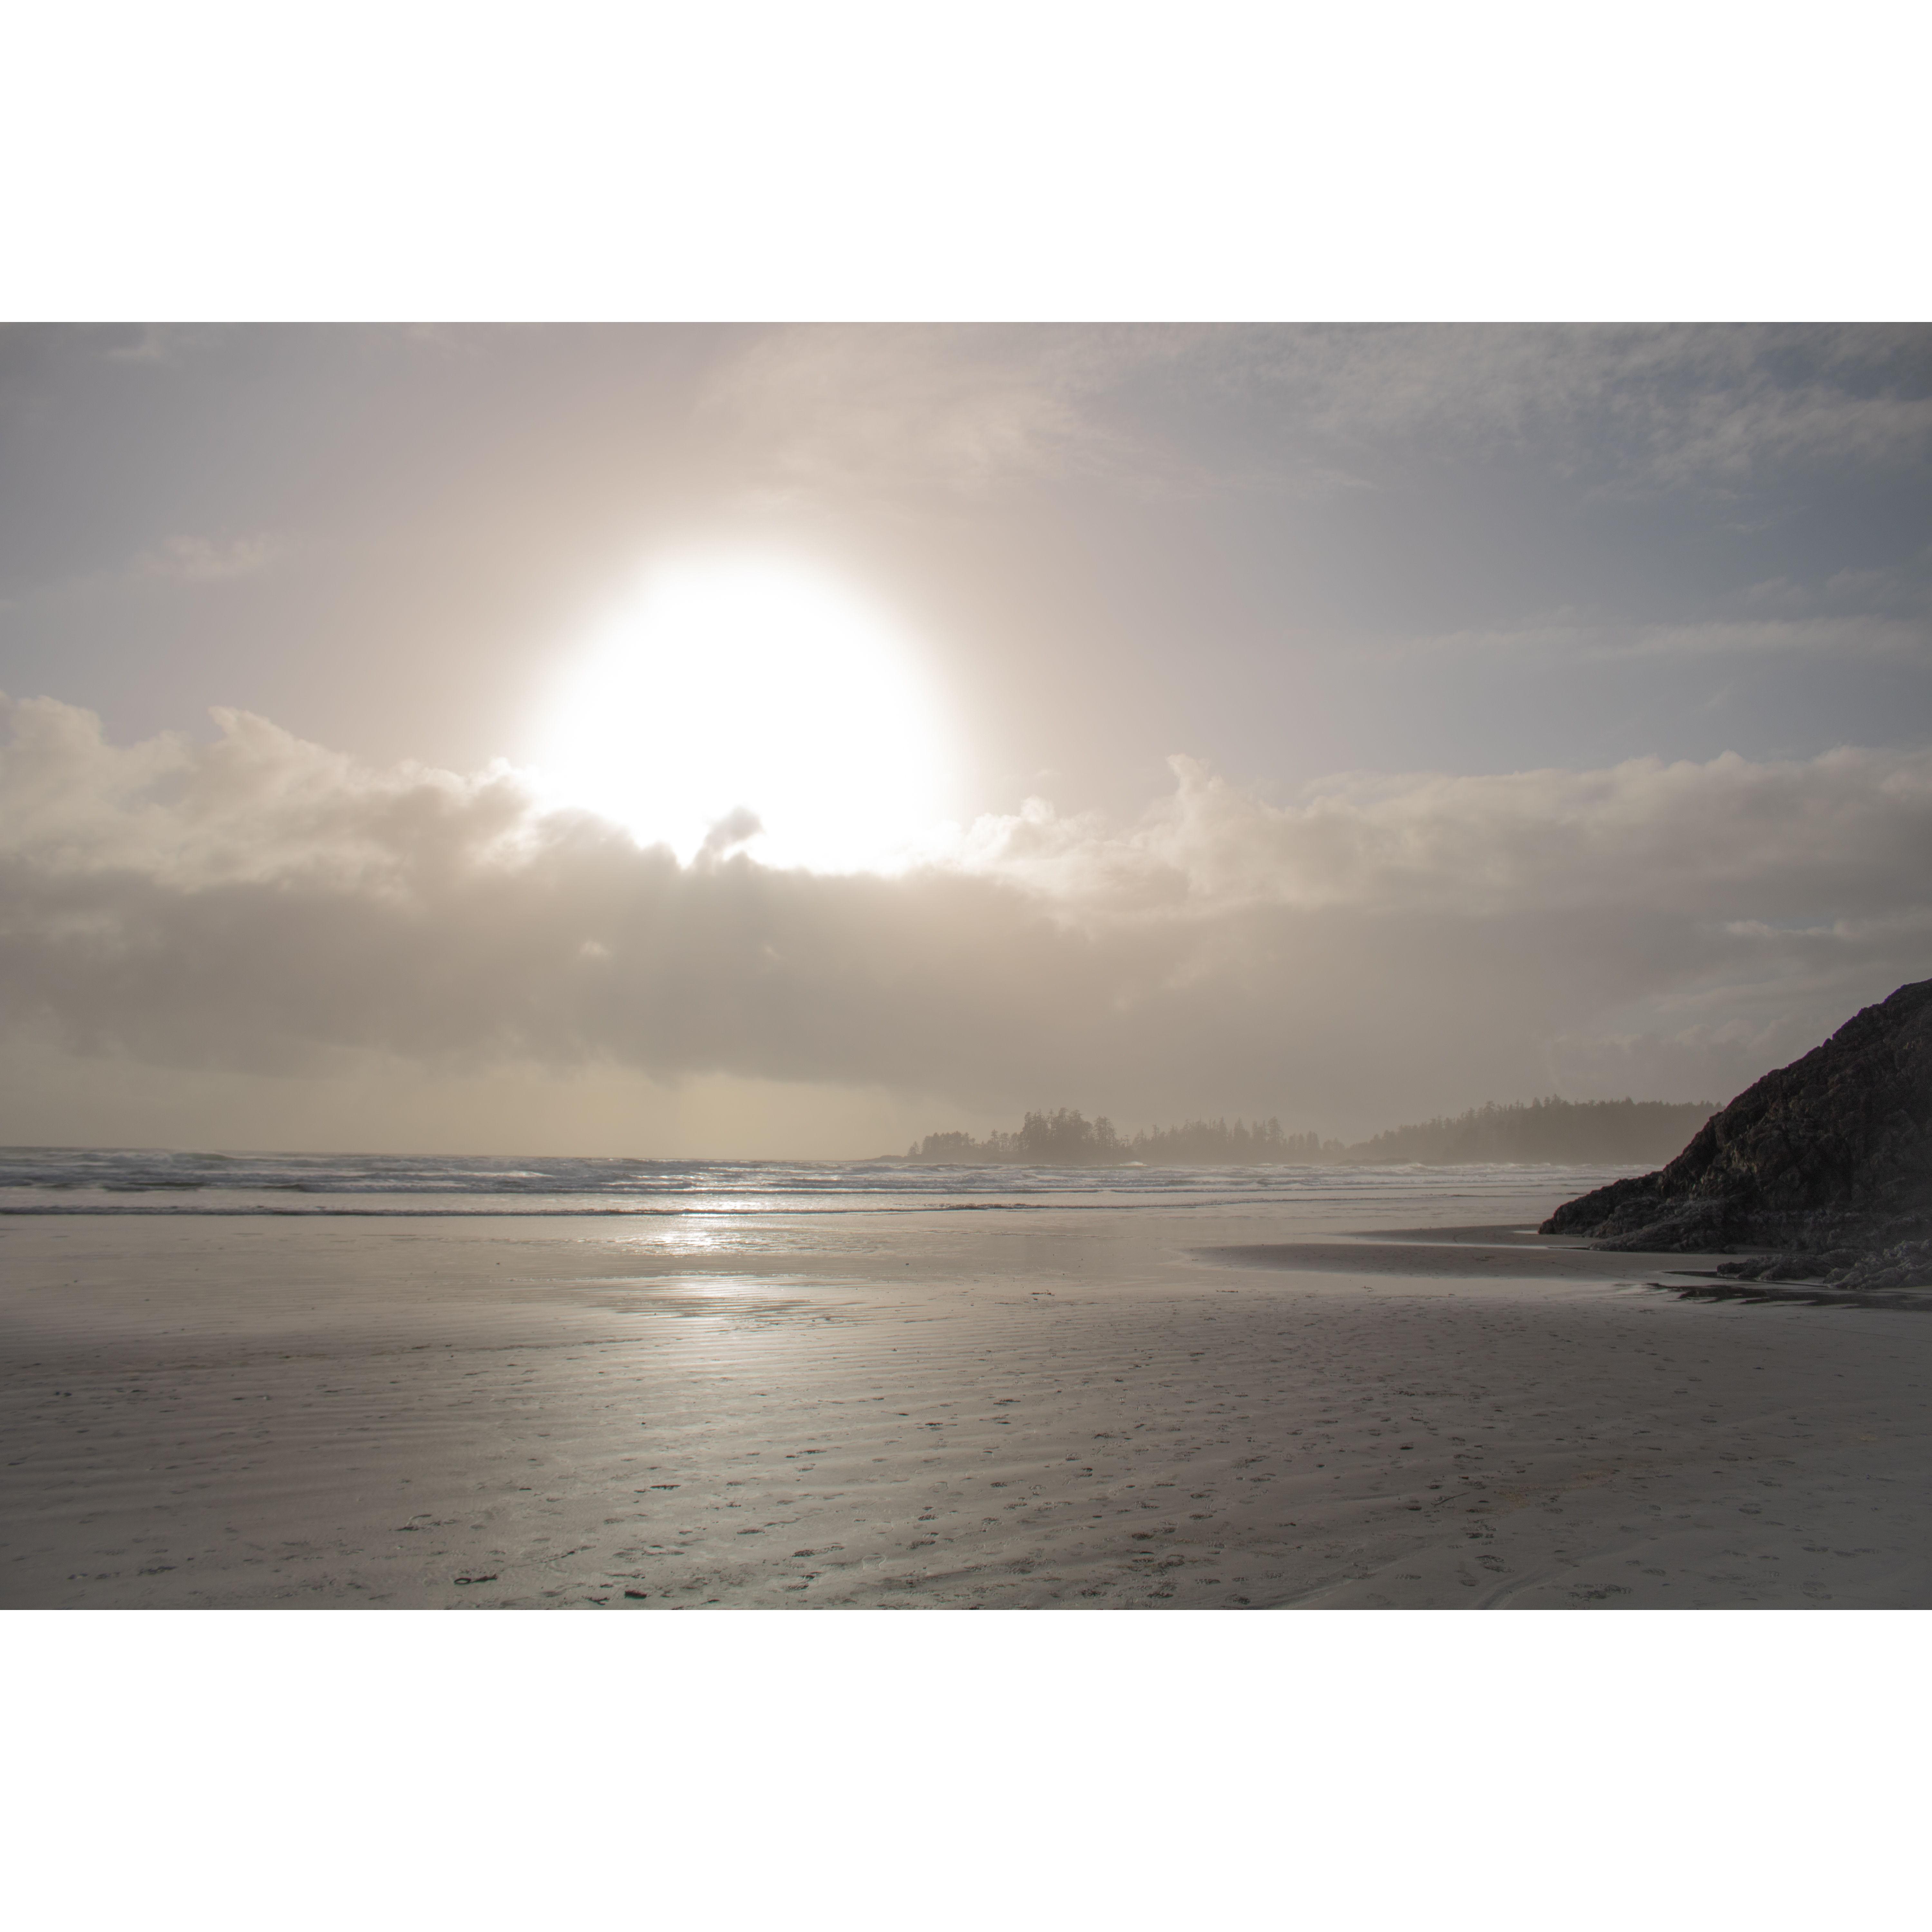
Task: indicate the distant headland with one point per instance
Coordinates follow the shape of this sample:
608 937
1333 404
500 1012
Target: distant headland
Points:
1612 1131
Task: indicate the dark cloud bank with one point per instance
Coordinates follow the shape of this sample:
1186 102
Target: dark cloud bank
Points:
1376 948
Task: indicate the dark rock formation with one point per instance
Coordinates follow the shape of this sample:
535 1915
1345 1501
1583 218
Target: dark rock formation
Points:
1828 1161
1903 1265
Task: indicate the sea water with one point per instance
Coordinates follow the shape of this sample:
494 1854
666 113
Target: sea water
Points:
123 1181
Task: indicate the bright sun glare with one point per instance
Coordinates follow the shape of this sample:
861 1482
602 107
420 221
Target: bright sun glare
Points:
752 686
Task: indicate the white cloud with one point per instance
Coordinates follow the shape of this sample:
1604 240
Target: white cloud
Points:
1852 828
1379 947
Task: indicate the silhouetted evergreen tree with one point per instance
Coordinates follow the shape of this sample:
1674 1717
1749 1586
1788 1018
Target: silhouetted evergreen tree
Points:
1550 1129
1221 1144
1066 1138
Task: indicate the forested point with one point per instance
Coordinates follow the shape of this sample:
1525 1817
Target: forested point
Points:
1609 1131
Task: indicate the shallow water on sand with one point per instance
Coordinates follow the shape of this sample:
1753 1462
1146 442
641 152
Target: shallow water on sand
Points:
1108 1391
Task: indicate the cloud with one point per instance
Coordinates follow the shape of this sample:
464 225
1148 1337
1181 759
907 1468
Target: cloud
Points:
1376 947
737 827
1869 614
1691 402
956 408
1578 637
1624 407
149 342
210 559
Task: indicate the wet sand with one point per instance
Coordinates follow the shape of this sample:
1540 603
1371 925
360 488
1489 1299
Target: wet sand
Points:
1188 1409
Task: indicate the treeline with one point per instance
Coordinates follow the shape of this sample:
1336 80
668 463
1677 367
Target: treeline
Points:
1067 1138
1221 1143
1612 1132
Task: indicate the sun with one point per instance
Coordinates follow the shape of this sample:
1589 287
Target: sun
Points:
728 691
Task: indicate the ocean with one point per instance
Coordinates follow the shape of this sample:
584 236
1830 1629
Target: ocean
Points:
132 1180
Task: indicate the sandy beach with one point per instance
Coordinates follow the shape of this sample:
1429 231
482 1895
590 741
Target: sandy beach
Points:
1206 1407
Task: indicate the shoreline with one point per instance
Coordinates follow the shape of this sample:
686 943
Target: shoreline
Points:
1056 1410
1500 1252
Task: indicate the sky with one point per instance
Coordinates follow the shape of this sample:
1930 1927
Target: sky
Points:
672 739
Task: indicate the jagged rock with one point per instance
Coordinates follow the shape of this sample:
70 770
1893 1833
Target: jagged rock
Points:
1816 1266
1904 1264
1828 1161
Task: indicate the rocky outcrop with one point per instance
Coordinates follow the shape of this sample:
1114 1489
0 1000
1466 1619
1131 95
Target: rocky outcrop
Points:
1828 1161
1903 1265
